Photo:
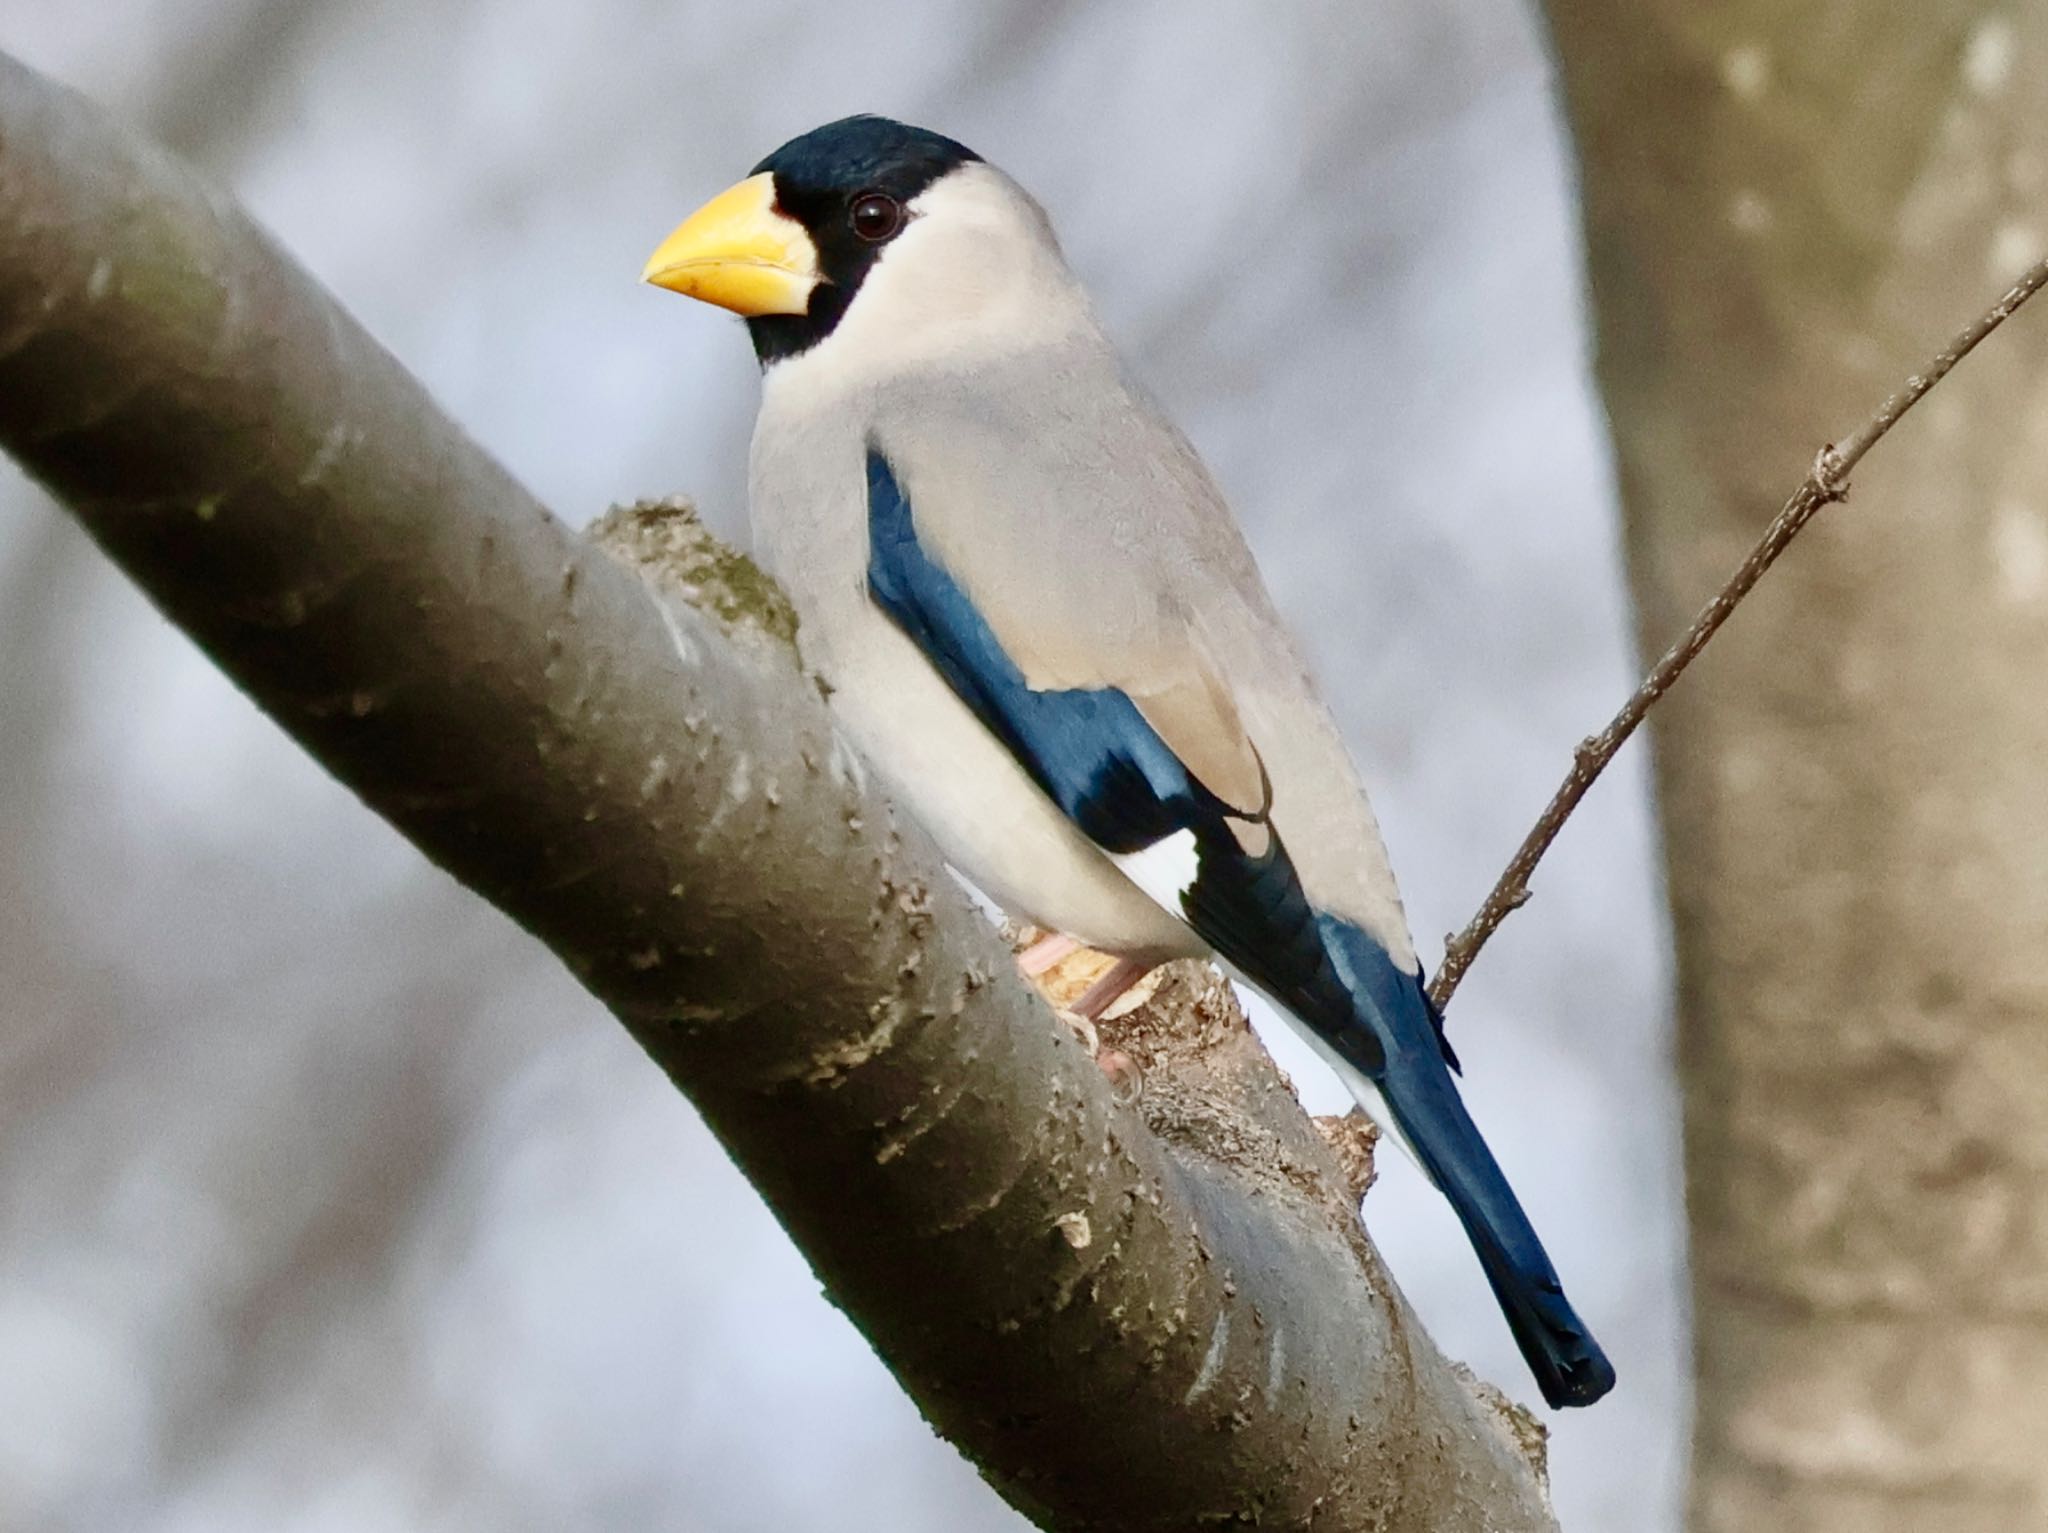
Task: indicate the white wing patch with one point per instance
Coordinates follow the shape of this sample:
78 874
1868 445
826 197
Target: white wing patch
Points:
1165 870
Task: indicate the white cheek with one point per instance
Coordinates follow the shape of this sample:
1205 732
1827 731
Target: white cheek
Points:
976 273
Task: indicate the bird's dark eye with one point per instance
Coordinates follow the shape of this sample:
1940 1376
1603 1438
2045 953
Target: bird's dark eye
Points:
876 216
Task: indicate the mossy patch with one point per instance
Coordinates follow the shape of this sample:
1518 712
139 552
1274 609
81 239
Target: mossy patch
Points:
669 541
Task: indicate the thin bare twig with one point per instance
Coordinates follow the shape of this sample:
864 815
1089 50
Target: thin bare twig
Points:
1826 483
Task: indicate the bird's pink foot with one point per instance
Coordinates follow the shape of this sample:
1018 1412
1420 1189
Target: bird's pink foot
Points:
1103 994
1046 952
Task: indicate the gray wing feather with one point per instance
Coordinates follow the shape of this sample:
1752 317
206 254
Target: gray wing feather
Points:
1103 555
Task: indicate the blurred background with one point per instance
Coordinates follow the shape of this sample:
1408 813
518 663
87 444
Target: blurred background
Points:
327 1201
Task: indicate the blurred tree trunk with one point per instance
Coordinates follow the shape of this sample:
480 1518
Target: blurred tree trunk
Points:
1788 206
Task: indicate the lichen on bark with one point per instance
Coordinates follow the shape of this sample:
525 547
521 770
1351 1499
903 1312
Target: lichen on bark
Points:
668 539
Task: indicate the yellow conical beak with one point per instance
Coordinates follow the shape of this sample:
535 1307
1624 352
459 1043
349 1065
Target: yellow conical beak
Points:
739 252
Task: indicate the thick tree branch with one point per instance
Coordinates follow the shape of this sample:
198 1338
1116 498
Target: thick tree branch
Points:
1826 483
1156 1313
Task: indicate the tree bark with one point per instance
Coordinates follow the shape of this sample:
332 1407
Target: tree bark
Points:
1135 1309
1787 207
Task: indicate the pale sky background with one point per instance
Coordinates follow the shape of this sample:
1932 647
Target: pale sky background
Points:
327 1201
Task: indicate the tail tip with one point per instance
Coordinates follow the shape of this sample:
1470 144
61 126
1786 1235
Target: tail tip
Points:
1576 1381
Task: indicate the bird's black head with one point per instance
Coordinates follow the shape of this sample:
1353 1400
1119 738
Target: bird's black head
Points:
850 184
790 246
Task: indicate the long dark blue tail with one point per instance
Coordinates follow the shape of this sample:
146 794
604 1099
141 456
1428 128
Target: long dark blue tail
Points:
1414 1082
1376 1022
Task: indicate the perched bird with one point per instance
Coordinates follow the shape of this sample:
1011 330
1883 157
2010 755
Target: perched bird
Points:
1040 623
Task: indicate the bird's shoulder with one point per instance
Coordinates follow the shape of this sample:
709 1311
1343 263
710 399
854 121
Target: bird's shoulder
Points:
1054 488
